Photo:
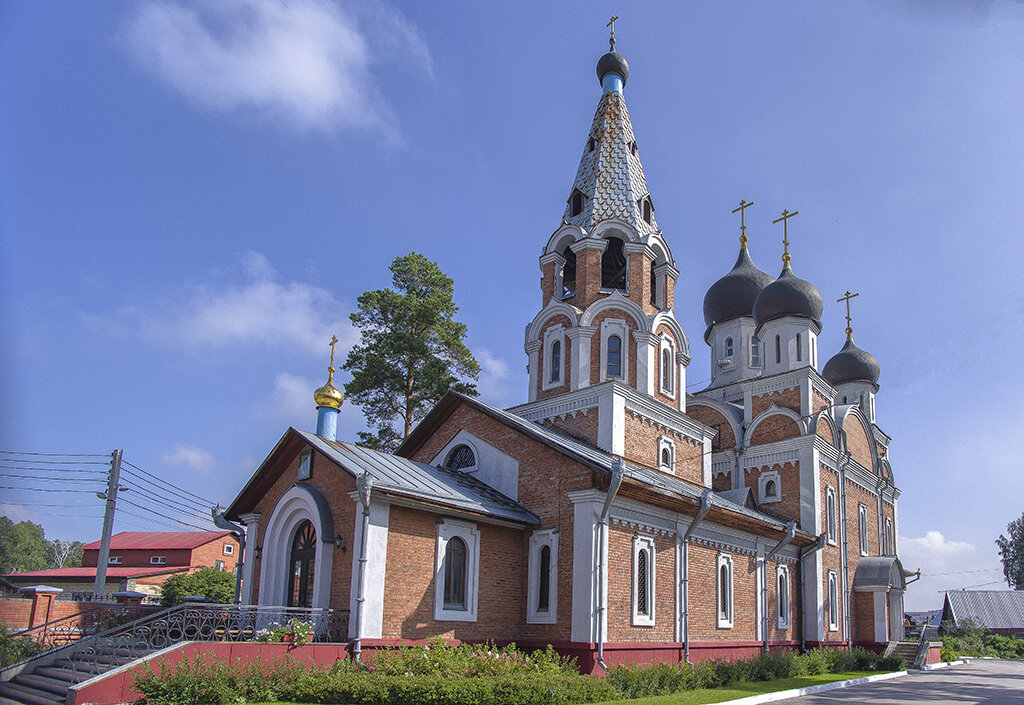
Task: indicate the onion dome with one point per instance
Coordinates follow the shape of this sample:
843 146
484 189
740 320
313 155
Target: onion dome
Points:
612 62
329 395
788 295
734 294
851 364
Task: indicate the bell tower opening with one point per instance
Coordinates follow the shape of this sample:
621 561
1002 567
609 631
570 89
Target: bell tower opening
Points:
613 265
569 273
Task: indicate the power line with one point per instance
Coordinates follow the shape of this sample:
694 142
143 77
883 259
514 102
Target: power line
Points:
960 572
43 489
58 455
50 479
204 500
56 462
42 469
147 509
158 489
165 501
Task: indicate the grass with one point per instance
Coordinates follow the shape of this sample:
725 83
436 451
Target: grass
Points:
720 695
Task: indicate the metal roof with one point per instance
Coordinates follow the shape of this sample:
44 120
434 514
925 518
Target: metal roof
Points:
158 540
992 609
422 481
879 571
89 573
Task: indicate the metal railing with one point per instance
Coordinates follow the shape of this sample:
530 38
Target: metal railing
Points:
190 622
61 632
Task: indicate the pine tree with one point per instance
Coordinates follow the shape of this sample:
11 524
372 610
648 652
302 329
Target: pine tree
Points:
410 352
1011 553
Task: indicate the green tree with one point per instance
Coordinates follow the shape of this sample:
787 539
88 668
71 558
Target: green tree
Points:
65 554
410 351
1011 553
218 585
23 547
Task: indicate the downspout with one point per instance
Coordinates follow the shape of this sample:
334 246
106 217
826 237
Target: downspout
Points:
705 507
618 470
765 621
846 554
364 486
819 543
239 534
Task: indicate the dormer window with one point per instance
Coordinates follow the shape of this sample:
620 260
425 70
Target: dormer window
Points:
729 348
646 206
459 457
632 148
575 203
755 351
591 144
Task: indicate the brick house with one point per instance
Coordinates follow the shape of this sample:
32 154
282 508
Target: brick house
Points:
614 514
141 561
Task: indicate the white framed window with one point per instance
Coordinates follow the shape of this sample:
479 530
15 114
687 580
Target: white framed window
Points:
218 565
755 351
728 348
229 549
542 592
666 454
723 585
769 487
554 357
114 560
614 349
668 366
305 465
456 571
833 601
778 350
890 544
643 581
799 349
461 457
158 560
782 595
830 515
862 524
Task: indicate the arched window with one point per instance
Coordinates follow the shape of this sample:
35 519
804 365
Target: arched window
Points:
455 574
799 351
575 203
544 579
778 350
654 285
556 361
642 585
647 208
771 489
569 272
724 597
303 566
830 514
614 356
729 349
833 601
862 518
461 456
666 458
782 598
755 351
666 370
613 265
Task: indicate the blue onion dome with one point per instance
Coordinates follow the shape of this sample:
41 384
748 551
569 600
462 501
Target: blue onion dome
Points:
788 295
734 294
851 364
612 62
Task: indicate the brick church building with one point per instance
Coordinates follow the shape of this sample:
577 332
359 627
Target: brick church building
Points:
613 515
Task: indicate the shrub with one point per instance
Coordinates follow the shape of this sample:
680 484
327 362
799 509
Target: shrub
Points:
892 662
218 585
14 648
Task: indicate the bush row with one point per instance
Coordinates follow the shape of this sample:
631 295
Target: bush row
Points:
439 674
970 639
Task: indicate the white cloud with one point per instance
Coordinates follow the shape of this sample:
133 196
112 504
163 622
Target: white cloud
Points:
189 456
945 565
259 311
494 382
291 400
305 63
19 513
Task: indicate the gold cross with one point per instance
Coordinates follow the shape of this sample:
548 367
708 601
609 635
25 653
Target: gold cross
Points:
611 39
334 341
786 215
849 328
743 222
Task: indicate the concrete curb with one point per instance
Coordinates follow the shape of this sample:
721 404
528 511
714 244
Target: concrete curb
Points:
942 664
812 689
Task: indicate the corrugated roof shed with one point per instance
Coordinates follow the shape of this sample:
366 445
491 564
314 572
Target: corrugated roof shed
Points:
992 609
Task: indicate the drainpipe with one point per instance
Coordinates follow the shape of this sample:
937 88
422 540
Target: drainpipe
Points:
364 486
705 507
845 548
819 543
765 621
618 470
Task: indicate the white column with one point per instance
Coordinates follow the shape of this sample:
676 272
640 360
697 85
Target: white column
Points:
682 360
646 361
580 356
586 556
533 350
252 524
376 562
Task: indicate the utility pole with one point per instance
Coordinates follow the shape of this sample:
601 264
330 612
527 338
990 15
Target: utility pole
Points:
108 522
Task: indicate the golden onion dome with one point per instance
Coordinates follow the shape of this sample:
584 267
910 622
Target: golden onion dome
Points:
329 395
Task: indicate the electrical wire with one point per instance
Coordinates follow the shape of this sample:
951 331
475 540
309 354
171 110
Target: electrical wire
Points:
57 455
99 473
165 496
56 462
201 499
147 509
178 492
149 519
165 502
50 479
43 489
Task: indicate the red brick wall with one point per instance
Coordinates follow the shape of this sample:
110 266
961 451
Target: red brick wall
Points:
207 554
620 587
825 431
588 277
789 486
713 418
818 400
15 612
664 330
860 447
335 483
788 398
582 427
640 281
855 496
703 596
641 446
627 344
547 283
542 361
863 608
774 428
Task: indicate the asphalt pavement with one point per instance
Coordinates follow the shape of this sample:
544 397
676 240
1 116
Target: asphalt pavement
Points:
981 681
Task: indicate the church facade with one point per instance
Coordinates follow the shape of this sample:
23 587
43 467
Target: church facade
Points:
613 514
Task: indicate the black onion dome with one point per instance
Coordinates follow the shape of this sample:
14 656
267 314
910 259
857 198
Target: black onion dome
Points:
851 364
612 62
788 295
734 294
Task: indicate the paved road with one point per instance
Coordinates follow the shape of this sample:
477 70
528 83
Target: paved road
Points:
982 682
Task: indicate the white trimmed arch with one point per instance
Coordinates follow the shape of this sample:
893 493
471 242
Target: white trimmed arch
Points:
842 413
669 321
774 410
300 503
616 302
554 308
823 415
613 227
725 411
563 237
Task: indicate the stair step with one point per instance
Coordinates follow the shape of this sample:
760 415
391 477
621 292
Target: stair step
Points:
62 674
29 696
33 680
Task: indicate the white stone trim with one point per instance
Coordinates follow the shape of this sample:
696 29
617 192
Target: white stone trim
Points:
644 543
762 486
251 520
834 605
862 528
616 327
372 626
538 540
725 616
783 600
553 334
666 345
447 529
664 442
493 467
831 519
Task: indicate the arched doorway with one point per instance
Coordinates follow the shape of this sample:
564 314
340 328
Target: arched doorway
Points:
302 563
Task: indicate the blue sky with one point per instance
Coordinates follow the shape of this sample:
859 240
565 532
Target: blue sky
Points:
192 196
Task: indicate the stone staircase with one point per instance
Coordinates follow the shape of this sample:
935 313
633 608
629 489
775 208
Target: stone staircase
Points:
908 650
48 684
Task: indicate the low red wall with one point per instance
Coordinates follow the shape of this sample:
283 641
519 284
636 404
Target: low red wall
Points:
934 654
15 613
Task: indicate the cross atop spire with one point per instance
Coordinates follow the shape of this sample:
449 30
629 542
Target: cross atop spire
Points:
743 222
784 219
611 39
846 298
330 370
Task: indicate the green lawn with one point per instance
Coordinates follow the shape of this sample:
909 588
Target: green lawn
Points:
719 695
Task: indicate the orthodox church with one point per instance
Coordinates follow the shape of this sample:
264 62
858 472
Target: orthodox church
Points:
613 514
